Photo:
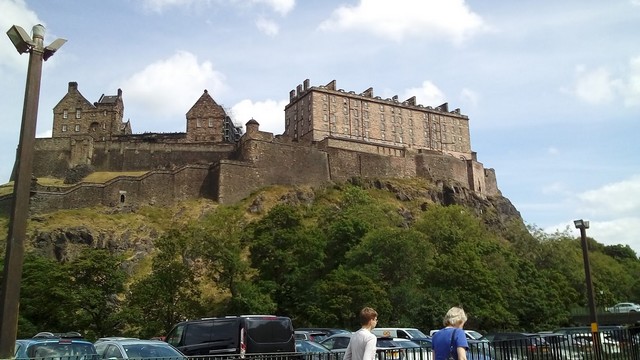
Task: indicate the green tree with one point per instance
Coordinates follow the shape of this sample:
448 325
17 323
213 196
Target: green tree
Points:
171 292
286 253
97 280
45 297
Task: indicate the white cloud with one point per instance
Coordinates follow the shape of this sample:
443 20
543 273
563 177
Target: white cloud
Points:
159 5
280 6
552 150
613 211
45 134
621 231
15 12
269 113
631 89
428 94
470 97
599 86
283 7
168 87
399 19
595 86
267 26
617 199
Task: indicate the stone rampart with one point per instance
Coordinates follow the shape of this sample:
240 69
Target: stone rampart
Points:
442 168
158 187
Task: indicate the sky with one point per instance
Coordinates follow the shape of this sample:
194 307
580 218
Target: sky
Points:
551 88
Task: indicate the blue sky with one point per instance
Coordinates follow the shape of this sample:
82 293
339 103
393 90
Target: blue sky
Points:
552 88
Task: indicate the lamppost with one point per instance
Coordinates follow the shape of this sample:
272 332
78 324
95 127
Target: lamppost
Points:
10 291
583 225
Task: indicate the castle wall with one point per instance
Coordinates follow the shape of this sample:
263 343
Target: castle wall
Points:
270 163
159 187
437 167
490 183
125 156
475 176
51 157
235 180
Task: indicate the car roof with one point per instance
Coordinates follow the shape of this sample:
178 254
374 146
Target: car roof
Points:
129 341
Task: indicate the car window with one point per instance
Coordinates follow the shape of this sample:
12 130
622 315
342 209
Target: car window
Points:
198 333
175 336
112 352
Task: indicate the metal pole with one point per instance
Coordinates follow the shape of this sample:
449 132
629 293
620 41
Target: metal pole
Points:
10 291
593 316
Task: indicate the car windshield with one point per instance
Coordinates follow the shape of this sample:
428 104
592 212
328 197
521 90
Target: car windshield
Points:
473 334
415 333
407 344
150 351
310 346
55 349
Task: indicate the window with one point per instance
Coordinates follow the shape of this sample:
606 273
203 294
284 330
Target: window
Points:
104 126
78 113
77 128
198 123
64 128
65 114
210 122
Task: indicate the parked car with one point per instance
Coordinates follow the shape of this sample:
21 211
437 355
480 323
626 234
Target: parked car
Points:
309 335
412 350
326 331
405 333
519 346
55 345
386 349
312 350
131 348
470 334
625 307
231 335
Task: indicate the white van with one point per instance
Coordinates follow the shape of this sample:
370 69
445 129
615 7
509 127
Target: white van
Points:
405 333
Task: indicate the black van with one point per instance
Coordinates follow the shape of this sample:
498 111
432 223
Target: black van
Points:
233 335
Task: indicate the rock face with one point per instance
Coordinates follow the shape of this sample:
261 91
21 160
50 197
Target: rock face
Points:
64 244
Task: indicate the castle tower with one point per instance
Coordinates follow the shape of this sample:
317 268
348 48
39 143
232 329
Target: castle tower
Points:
315 113
207 121
74 115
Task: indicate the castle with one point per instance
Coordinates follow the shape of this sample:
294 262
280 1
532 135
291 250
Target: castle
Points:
330 135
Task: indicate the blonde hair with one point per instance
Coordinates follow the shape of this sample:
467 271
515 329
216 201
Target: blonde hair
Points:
454 317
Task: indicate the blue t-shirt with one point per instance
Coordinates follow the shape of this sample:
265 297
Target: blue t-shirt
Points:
442 345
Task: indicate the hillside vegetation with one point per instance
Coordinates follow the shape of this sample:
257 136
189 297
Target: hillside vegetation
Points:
409 248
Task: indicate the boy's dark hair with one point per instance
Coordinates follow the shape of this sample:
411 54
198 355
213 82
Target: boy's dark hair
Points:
367 314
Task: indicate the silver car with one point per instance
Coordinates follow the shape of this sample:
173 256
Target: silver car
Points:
131 348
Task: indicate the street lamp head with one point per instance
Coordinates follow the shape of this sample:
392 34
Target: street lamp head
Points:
52 48
20 39
38 31
581 224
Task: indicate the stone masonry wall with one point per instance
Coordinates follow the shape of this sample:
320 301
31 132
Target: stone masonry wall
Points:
442 168
159 187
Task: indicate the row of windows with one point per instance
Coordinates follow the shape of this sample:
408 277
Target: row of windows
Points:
76 128
65 113
210 122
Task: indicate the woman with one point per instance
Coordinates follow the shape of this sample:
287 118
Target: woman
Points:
451 340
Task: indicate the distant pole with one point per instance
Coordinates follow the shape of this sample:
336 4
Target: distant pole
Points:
583 225
13 261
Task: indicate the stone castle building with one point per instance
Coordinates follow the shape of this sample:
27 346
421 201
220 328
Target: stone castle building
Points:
330 135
